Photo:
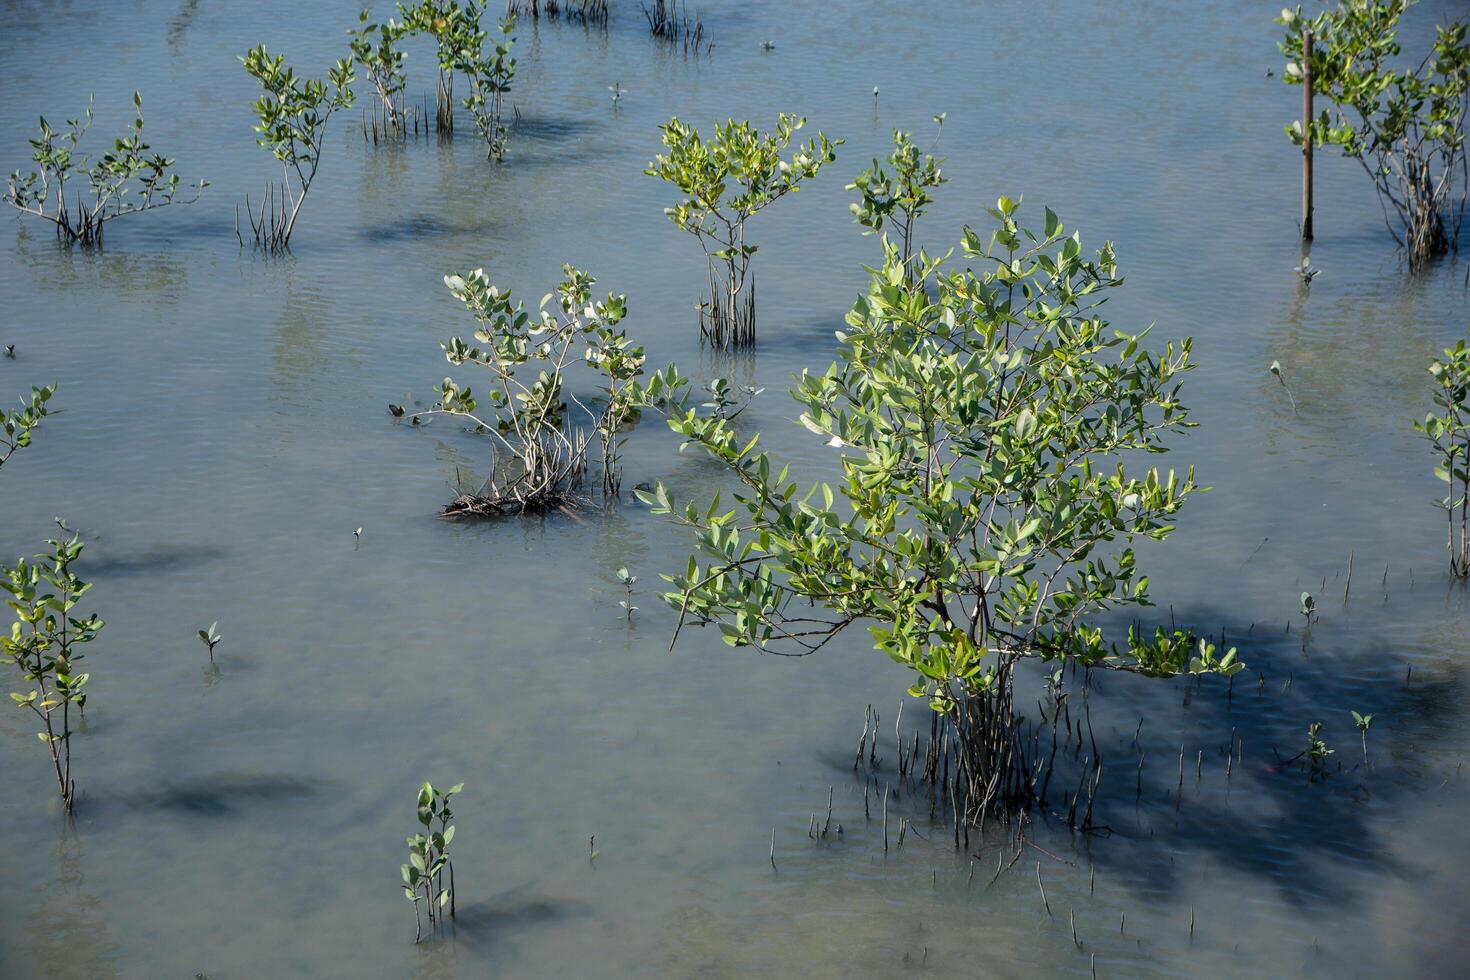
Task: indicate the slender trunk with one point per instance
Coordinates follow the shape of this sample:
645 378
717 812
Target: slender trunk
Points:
1307 136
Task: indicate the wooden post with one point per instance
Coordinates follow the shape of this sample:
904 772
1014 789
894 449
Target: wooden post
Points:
1307 136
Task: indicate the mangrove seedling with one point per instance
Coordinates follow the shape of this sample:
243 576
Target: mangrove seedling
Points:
453 27
988 420
898 199
210 638
1280 376
293 114
723 182
428 858
629 580
128 179
1402 118
1448 432
45 645
1308 607
1363 723
18 424
542 441
490 70
375 48
1317 750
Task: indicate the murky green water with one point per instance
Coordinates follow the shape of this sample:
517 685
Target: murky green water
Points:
224 431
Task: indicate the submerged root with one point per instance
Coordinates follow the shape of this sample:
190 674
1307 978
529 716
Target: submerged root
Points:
983 762
468 505
546 475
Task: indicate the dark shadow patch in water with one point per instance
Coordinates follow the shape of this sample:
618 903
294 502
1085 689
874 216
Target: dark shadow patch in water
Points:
489 920
178 25
552 128
225 794
162 559
420 227
1273 820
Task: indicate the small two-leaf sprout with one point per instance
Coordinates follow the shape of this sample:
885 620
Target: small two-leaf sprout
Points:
210 638
1317 750
628 580
1364 722
1276 370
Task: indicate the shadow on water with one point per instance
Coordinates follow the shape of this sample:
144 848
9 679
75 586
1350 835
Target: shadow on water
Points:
225 794
159 559
489 920
1271 818
491 927
553 128
421 227
179 24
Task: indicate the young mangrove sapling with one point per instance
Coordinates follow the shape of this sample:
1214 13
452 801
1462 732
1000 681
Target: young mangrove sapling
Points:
1402 119
44 644
723 182
428 858
986 420
542 439
128 179
1448 431
490 69
375 48
293 113
898 199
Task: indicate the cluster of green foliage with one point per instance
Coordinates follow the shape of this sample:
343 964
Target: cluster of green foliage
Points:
44 644
463 46
375 48
897 200
526 408
1448 431
18 424
490 69
293 113
985 422
1403 121
128 179
428 857
44 639
451 26
723 182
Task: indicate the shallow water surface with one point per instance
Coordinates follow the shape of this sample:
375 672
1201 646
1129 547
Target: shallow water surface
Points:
223 430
